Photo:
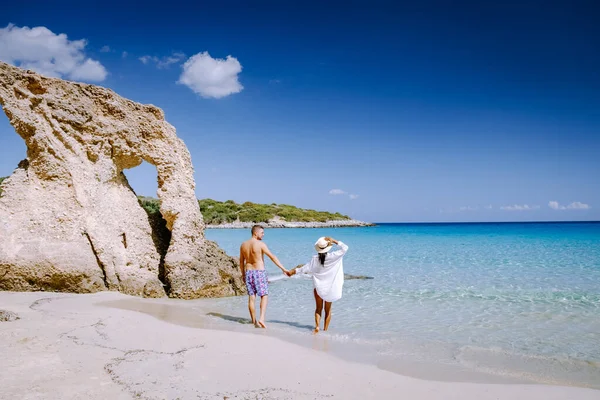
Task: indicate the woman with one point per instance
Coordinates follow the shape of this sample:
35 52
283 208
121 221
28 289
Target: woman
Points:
327 272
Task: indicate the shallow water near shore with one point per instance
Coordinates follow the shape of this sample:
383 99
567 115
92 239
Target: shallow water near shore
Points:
513 301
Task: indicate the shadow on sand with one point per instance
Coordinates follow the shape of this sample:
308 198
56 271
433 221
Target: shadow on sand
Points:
231 318
241 320
294 324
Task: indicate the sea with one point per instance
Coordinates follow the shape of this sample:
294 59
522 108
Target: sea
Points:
479 302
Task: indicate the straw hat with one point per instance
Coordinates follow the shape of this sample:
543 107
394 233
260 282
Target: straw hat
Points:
322 245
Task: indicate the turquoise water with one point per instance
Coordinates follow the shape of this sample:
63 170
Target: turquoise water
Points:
517 299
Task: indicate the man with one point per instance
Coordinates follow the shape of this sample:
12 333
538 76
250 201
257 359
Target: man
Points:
252 264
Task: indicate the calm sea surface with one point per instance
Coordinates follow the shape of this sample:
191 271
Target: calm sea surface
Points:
518 300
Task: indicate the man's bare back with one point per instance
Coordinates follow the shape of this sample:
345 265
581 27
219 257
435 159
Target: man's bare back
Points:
252 251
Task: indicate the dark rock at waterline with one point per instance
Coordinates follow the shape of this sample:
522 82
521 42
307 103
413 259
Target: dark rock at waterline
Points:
349 277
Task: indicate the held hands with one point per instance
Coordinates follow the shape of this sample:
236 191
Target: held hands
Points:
290 273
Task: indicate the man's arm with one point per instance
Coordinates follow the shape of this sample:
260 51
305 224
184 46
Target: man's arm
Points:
243 264
273 258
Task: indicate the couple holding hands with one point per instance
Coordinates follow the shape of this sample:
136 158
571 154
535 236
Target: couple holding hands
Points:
325 268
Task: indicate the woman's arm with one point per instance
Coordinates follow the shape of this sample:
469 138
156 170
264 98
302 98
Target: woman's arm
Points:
300 269
343 247
331 240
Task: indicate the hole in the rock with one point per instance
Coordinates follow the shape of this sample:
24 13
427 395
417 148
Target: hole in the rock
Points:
12 149
143 181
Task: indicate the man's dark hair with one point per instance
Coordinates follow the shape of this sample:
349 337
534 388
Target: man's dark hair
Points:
255 228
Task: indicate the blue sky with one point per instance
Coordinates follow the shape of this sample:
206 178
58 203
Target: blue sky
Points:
428 112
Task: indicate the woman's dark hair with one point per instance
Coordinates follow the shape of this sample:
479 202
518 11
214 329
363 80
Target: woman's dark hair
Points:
322 258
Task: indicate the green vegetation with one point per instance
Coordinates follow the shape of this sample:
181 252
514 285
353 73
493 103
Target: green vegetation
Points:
217 212
1 179
150 204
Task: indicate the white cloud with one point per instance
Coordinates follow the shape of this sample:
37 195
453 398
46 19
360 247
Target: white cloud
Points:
87 69
336 192
576 205
353 196
105 49
555 206
518 207
211 77
469 208
488 207
163 62
124 54
172 59
49 54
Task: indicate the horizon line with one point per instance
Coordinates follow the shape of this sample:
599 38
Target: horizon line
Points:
489 222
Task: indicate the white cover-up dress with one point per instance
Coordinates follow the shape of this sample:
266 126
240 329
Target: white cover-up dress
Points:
327 279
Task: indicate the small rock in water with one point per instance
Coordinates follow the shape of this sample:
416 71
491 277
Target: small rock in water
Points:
348 276
6 316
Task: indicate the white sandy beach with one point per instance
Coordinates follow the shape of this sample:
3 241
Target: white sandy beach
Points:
67 346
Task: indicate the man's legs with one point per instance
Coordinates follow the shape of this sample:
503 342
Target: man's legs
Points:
263 309
327 314
251 300
318 310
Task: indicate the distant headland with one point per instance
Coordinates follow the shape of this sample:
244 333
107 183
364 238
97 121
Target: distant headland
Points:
232 215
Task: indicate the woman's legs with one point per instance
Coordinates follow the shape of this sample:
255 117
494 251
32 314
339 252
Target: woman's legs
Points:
318 310
327 314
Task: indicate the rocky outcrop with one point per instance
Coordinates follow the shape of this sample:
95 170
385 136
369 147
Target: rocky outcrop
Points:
69 221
